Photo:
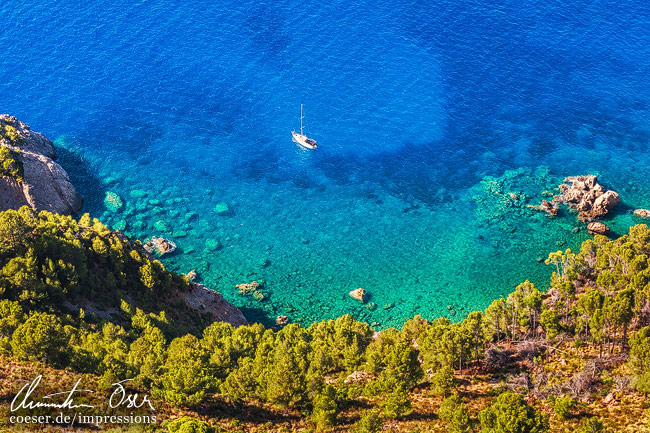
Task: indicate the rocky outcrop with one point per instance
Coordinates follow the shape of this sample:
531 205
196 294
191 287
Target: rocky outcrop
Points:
642 213
597 228
44 184
160 246
209 302
587 196
358 294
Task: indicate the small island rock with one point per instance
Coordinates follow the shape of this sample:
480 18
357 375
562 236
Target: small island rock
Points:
642 213
358 294
160 246
587 196
598 228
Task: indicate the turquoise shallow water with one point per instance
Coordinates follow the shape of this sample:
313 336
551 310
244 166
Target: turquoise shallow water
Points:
427 119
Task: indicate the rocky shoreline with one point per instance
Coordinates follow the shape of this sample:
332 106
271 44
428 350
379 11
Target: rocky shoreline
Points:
44 184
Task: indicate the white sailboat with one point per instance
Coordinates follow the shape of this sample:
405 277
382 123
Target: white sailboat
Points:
302 139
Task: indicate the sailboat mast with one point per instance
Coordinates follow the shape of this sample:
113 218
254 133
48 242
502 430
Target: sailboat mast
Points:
301 120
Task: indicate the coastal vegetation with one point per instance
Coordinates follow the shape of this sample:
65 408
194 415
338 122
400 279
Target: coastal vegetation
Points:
80 298
10 165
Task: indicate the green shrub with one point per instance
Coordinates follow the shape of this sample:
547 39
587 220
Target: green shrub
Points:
511 414
442 382
10 165
188 424
12 134
184 382
591 425
396 404
370 422
563 406
41 338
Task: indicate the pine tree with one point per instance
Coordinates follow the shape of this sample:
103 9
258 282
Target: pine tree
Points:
453 412
640 358
146 356
325 409
511 414
41 338
184 381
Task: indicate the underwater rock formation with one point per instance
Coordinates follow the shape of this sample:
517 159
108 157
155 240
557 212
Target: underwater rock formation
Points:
113 202
221 208
587 196
551 209
42 184
245 289
597 228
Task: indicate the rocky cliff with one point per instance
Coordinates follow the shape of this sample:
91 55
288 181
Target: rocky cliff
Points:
29 175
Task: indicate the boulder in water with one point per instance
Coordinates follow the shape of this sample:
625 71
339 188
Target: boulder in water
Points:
597 228
588 197
358 294
160 246
642 213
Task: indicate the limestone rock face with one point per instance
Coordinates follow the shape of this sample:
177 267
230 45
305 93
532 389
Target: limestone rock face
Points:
46 186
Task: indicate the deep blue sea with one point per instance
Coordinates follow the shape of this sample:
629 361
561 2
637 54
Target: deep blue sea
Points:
438 122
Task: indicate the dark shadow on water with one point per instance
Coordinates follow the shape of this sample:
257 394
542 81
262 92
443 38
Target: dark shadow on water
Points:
257 315
87 184
124 130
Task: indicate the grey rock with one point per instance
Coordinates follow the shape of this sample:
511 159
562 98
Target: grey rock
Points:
46 185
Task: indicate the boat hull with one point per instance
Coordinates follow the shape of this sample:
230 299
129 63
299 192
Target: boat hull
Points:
304 141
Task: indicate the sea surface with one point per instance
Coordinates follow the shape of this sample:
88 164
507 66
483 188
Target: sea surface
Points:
437 123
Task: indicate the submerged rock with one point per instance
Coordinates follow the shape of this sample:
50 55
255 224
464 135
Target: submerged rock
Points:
120 225
358 294
138 193
113 202
161 226
39 182
213 245
550 208
221 208
247 289
596 227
